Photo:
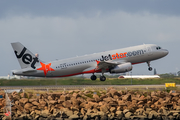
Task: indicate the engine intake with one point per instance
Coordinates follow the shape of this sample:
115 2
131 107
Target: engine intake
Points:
125 67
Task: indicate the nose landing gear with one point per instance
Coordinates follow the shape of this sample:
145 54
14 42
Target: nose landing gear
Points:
150 68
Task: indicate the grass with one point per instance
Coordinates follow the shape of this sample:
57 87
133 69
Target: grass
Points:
81 81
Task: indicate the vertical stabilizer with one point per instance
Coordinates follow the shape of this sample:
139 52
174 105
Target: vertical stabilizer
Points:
25 57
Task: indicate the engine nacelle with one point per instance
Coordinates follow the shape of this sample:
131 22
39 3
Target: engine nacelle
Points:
125 67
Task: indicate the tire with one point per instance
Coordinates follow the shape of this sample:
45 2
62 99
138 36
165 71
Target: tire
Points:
150 69
102 78
93 77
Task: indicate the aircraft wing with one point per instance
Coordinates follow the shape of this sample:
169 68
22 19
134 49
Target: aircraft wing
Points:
106 65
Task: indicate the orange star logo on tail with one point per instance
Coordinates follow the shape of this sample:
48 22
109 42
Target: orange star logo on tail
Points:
45 68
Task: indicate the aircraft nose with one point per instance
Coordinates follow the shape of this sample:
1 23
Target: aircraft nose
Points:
165 52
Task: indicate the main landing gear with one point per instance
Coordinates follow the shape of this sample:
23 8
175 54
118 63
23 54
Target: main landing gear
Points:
102 78
150 68
93 77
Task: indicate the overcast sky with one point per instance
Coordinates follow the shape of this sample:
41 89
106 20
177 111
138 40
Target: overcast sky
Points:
61 29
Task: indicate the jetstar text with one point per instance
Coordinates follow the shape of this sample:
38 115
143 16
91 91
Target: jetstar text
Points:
121 55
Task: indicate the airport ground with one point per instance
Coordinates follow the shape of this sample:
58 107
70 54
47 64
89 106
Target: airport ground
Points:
73 83
86 81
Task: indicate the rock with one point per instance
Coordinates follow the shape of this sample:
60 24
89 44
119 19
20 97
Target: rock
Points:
83 112
178 108
175 114
80 99
121 103
32 113
67 104
140 102
90 100
82 105
45 113
75 102
16 97
153 93
113 109
113 103
38 112
76 95
36 117
140 106
50 97
64 98
155 99
23 95
141 117
126 97
17 103
111 116
140 111
119 115
94 115
42 103
52 102
163 111
72 117
96 97
152 115
125 111
85 117
23 117
32 100
171 117
89 105
104 108
104 117
96 118
28 106
14 93
128 115
29 95
175 99
175 94
148 110
102 97
19 112
68 112
178 102
113 92
35 103
108 99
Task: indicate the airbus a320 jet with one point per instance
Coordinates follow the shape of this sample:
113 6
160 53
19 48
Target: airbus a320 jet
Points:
114 61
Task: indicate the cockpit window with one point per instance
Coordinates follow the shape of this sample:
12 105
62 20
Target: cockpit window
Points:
158 48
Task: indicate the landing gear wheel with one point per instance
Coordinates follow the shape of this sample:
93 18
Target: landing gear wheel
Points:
150 68
93 77
102 78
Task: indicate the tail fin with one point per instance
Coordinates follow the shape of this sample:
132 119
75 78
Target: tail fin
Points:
25 57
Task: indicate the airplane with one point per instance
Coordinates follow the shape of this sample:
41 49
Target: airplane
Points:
114 61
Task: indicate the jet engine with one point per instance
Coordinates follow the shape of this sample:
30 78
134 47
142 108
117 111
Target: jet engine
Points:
125 67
